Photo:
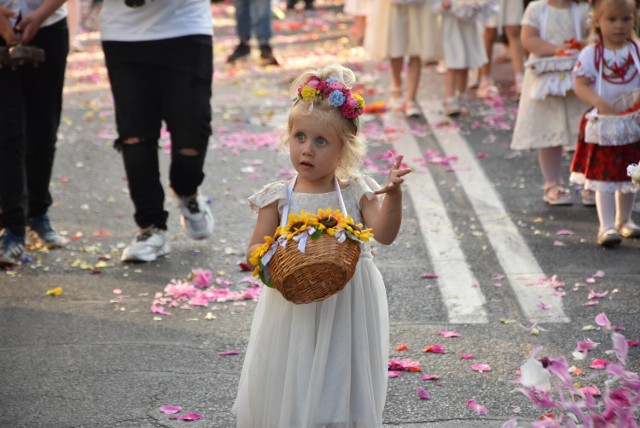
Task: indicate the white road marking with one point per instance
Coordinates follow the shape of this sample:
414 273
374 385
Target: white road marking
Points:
464 301
517 260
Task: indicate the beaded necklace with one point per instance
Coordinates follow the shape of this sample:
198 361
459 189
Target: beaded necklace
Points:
616 74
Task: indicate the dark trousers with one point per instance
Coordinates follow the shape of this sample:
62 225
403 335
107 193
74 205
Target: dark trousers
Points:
30 109
153 81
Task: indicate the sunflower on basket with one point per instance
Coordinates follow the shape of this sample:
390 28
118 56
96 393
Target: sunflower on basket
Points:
301 227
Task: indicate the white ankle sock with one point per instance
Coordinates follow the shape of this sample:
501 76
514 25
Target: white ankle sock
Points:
606 206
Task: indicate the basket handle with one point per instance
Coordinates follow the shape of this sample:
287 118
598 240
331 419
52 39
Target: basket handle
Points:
285 210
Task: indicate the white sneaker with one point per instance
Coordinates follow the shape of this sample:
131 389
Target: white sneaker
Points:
150 244
196 217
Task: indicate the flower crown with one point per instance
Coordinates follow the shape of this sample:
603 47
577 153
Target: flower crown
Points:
340 96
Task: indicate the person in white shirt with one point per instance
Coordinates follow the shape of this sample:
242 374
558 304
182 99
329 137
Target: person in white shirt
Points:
159 57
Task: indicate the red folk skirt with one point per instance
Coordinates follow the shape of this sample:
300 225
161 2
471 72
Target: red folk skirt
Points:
603 163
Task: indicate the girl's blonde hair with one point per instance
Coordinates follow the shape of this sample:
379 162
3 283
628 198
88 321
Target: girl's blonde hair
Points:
596 10
348 130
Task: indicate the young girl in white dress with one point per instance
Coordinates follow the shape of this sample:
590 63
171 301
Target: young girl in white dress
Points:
399 29
606 70
462 49
322 364
507 20
550 125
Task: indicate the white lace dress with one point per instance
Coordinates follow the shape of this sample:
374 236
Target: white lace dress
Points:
322 364
553 121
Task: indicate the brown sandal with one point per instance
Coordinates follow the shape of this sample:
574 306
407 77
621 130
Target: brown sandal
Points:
556 194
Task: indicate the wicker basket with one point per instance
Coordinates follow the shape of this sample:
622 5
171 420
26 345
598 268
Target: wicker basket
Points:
320 272
618 129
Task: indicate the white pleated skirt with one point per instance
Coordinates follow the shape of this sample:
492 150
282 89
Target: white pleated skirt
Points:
323 364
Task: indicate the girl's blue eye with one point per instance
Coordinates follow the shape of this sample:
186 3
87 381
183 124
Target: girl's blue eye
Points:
300 137
321 142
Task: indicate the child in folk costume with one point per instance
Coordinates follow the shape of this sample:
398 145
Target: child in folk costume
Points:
461 45
399 29
606 71
322 364
548 112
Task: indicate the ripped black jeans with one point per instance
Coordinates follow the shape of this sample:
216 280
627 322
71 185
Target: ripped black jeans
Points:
154 81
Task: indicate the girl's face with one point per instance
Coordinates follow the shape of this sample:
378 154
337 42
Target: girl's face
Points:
615 21
315 151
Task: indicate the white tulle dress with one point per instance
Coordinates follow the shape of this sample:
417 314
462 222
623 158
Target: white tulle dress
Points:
322 364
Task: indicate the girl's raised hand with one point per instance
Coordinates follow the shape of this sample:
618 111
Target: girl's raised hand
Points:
395 178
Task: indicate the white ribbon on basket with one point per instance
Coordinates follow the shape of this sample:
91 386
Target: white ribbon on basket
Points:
302 238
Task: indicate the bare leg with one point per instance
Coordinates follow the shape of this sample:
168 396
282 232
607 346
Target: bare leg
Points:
413 78
550 161
462 75
489 36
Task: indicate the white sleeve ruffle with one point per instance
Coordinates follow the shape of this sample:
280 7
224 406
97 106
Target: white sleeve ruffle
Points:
276 191
364 185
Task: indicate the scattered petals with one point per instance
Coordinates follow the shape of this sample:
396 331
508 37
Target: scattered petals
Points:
168 409
449 333
229 352
603 321
472 404
599 364
424 395
406 365
467 357
430 377
564 232
436 349
401 348
188 417
54 291
479 367
429 275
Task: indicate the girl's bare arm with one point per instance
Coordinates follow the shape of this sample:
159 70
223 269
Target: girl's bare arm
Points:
266 224
385 216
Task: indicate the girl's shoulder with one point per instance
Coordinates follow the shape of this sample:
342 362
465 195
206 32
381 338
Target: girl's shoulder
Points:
268 194
363 185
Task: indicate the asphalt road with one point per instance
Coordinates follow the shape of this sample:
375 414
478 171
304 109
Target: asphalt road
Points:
97 356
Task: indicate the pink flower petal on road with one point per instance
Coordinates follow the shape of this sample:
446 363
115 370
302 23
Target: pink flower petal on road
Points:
544 306
157 309
599 364
481 367
168 409
482 155
592 303
599 274
449 333
188 417
394 373
472 404
633 342
593 294
430 377
436 349
564 232
429 275
229 352
559 244
424 395
467 357
603 321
